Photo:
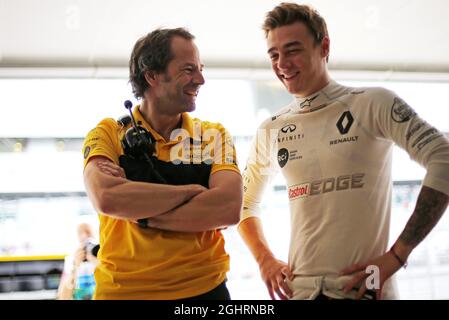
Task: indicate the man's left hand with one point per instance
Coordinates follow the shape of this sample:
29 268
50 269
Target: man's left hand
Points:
387 265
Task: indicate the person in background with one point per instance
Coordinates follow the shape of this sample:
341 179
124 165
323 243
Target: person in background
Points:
333 145
77 281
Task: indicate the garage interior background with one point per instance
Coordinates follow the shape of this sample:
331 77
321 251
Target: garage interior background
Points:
63 68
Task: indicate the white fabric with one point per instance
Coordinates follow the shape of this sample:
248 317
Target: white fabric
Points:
309 287
335 150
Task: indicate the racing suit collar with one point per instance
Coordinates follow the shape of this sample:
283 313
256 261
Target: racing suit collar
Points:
315 100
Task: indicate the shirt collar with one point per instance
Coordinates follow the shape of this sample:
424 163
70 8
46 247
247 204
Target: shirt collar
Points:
315 100
187 124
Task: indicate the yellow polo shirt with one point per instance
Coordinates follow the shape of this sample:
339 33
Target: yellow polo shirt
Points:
138 263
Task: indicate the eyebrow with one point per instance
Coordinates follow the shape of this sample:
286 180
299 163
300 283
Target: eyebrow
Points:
193 65
287 45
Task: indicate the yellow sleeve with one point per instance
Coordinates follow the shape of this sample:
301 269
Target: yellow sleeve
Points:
225 156
103 141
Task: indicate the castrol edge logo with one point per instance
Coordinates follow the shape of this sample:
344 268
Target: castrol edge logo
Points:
298 191
343 182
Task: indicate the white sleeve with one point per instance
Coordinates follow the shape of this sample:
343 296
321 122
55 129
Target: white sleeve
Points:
424 143
260 168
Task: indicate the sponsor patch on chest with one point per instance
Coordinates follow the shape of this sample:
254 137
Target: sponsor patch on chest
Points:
326 185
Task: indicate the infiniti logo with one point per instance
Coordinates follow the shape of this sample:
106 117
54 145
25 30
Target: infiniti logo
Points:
288 128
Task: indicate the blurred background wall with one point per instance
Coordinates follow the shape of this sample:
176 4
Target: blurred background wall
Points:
63 68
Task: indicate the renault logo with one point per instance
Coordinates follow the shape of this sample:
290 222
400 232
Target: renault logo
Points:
345 122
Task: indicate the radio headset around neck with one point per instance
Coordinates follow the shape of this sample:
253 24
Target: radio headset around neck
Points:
139 143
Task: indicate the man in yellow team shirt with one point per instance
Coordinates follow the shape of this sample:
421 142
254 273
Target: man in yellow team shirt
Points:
180 254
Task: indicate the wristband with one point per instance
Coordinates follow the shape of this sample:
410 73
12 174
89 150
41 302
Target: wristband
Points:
401 262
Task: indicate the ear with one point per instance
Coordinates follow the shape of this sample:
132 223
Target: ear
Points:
150 78
325 48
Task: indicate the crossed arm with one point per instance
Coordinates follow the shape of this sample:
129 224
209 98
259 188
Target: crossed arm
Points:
187 208
214 208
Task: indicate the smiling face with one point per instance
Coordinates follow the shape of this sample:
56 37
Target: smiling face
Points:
297 60
176 89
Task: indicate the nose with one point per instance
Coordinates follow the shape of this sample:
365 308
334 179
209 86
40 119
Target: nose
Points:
283 62
199 78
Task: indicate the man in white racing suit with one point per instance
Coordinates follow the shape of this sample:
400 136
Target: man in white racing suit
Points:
333 144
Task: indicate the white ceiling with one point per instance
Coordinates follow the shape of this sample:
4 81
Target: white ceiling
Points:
398 35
